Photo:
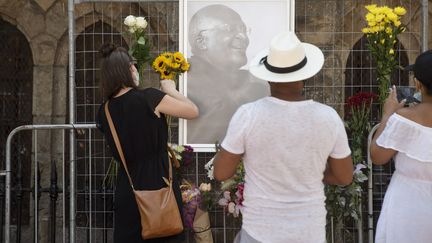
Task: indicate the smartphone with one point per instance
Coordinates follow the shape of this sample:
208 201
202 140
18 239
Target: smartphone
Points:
407 93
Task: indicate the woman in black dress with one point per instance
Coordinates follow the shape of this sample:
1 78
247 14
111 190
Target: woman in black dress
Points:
139 118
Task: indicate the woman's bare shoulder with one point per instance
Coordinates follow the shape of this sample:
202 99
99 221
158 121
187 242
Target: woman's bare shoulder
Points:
419 113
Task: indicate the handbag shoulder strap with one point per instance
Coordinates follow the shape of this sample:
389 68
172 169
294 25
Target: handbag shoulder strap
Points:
120 150
117 142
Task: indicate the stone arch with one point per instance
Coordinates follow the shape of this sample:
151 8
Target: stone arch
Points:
88 95
16 103
11 16
360 72
353 19
87 60
61 58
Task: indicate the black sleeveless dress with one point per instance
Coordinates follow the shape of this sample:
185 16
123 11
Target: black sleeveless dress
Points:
143 137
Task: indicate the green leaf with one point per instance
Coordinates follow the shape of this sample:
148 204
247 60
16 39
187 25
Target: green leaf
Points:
141 41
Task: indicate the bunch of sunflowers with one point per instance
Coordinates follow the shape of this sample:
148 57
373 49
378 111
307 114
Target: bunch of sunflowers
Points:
170 65
384 24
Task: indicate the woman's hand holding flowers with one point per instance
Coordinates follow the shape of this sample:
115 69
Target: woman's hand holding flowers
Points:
168 86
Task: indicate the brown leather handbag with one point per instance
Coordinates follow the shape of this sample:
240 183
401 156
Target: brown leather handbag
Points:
160 215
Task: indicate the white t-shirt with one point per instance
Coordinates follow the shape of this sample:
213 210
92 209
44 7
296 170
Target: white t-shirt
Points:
286 146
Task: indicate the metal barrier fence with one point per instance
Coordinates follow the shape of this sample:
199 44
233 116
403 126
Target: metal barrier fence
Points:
53 190
36 187
84 199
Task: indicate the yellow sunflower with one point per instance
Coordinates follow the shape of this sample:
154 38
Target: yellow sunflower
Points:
159 64
167 75
167 55
173 64
178 57
185 66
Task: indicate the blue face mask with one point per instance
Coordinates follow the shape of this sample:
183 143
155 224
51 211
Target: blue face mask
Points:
418 96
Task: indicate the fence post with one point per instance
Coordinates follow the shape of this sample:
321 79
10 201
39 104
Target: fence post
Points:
370 186
18 190
53 195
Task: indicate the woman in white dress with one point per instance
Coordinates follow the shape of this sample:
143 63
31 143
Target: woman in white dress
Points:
406 134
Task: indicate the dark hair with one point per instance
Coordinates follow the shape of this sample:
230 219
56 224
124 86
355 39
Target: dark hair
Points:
115 70
427 83
428 86
422 70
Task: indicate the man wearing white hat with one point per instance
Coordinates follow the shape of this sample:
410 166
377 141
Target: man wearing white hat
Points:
289 146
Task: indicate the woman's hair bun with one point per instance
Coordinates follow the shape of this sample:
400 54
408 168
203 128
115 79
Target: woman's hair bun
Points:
107 49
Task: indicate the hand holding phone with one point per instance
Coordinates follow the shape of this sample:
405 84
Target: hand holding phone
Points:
406 93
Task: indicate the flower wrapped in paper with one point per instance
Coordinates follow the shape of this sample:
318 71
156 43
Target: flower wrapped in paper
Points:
201 227
196 202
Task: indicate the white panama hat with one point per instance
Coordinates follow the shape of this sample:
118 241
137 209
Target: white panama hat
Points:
287 60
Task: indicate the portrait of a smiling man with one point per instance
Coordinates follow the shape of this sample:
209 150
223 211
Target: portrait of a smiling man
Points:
218 80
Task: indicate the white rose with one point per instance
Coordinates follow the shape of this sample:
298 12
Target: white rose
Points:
131 30
204 187
231 207
130 21
141 23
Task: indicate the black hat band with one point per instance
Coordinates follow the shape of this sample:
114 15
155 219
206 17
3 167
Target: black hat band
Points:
285 69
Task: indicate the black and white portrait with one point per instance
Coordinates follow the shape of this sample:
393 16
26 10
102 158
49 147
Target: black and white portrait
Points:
219 40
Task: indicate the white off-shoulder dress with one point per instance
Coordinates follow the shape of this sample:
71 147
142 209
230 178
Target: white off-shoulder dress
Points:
406 214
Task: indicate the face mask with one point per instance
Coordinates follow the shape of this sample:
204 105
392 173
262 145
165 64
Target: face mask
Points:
418 96
136 78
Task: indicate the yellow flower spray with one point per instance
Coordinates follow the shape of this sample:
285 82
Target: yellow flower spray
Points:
384 25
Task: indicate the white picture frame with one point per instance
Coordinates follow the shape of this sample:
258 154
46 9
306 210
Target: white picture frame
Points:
264 18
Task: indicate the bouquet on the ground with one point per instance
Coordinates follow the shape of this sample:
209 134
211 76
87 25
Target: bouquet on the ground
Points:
140 48
384 24
345 201
196 203
170 65
231 198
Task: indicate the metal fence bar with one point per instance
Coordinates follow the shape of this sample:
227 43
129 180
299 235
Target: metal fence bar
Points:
63 185
36 187
72 119
8 174
90 185
425 25
370 186
359 223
